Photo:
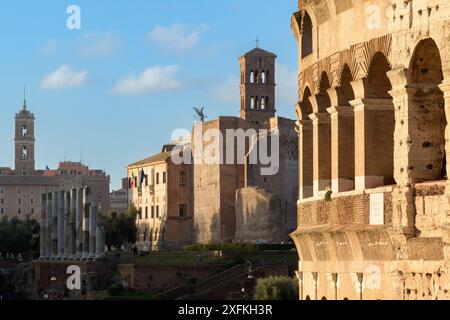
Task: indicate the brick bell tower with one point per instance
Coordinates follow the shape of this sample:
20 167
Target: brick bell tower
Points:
258 86
24 142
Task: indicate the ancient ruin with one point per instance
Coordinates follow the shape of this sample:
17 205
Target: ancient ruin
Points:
69 226
374 90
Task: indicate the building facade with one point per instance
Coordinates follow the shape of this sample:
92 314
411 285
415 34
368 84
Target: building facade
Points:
161 191
373 209
233 201
21 187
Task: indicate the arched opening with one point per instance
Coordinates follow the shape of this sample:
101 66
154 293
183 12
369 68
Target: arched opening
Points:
263 77
308 298
263 103
307 35
252 103
322 138
24 153
378 118
427 114
343 135
324 299
306 151
252 77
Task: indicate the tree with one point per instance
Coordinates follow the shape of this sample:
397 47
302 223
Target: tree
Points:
276 288
19 236
120 228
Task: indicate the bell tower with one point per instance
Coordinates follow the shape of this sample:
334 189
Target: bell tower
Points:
24 142
258 86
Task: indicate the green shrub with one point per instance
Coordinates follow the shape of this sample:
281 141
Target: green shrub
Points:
240 247
276 288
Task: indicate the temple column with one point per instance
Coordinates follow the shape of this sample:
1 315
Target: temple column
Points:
79 223
321 152
92 230
100 245
73 224
305 159
342 148
374 139
86 214
61 225
55 233
49 224
43 233
67 243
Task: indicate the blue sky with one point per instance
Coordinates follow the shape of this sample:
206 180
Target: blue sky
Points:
113 92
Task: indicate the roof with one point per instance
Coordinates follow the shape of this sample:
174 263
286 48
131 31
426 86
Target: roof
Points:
259 52
160 157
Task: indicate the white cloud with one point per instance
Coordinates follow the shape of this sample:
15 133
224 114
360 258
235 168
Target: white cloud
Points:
50 47
151 80
98 43
64 77
286 79
227 91
177 37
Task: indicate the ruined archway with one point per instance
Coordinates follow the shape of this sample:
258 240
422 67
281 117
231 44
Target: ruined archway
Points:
426 110
306 147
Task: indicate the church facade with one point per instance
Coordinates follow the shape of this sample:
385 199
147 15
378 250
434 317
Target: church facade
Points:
373 209
21 187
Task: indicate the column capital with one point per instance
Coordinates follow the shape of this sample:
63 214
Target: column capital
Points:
371 104
398 78
333 94
341 111
320 118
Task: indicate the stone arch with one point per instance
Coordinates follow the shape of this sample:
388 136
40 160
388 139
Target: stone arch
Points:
427 113
305 106
323 99
324 298
345 92
378 83
308 298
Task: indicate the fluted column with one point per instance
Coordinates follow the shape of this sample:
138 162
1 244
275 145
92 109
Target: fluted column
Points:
61 225
55 232
321 151
49 224
43 234
79 223
306 157
86 214
67 243
92 230
73 224
342 148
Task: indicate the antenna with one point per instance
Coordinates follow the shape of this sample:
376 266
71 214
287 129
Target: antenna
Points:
24 97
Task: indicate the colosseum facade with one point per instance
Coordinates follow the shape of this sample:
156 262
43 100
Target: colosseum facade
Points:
374 103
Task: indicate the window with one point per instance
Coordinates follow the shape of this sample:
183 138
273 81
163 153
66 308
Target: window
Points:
24 131
263 103
157 211
19 201
153 212
252 77
2 201
157 178
307 36
140 213
32 211
183 210
183 178
146 213
24 153
2 211
32 201
164 177
252 103
263 77
19 212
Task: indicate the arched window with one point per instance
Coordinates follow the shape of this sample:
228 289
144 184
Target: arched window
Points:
307 36
263 77
257 80
263 103
24 130
24 153
252 77
252 103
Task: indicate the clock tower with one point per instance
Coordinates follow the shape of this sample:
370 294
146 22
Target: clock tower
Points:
24 142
